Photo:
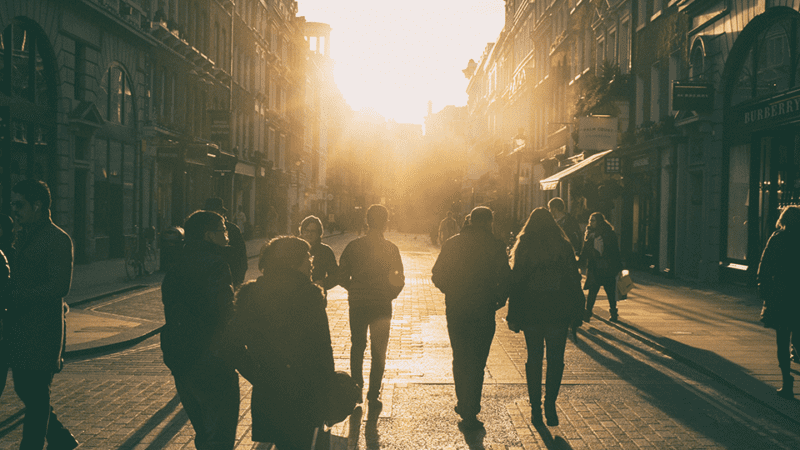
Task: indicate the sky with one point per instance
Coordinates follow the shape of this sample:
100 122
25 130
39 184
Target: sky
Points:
394 57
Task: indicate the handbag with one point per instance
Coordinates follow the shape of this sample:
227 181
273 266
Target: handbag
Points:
343 396
624 284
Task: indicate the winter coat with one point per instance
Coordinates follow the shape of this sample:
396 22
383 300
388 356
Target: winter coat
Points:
35 324
371 270
236 253
777 278
601 266
282 316
325 268
473 273
197 293
545 288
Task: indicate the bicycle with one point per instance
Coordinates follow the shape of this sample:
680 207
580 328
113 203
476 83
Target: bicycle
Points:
140 255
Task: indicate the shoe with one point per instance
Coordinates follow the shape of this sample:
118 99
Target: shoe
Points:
614 318
470 423
536 416
787 390
551 415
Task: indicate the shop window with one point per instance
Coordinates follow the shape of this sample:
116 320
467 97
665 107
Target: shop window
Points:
743 87
738 201
773 60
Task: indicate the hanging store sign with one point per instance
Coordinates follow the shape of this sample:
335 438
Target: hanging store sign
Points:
692 96
597 132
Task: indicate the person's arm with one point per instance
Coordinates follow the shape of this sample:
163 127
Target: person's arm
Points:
397 278
331 268
345 272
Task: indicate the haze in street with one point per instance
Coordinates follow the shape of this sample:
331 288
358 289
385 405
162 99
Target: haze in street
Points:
394 57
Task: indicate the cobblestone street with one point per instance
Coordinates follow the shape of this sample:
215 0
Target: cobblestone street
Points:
618 391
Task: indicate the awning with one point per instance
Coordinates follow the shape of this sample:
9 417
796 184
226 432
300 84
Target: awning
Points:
551 182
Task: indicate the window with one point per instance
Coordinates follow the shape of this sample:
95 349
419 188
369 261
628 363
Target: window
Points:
675 69
642 16
655 92
656 8
601 52
639 100
611 48
738 201
625 46
116 99
697 62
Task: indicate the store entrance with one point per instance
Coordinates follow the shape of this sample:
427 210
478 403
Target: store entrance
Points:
778 178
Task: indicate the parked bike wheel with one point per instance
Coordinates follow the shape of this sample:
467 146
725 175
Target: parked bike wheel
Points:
149 260
131 267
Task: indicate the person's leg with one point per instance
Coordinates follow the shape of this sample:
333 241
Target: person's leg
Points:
358 343
591 297
379 328
33 388
471 341
210 397
555 341
610 286
782 338
534 341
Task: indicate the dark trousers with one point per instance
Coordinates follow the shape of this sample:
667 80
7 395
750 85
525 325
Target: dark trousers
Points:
471 339
553 340
783 337
40 423
609 284
210 396
378 320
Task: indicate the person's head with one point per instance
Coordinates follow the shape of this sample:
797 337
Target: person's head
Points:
790 218
30 201
481 217
206 226
597 221
556 207
377 217
540 231
311 229
6 230
217 205
449 214
285 252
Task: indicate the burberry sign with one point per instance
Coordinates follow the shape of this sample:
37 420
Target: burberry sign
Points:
775 111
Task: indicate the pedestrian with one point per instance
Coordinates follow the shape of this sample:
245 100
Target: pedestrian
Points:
236 251
35 322
777 275
601 255
447 228
473 273
282 313
371 271
566 222
545 299
325 269
6 239
197 293
241 220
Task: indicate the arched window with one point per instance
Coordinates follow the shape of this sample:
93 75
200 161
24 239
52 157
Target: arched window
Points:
769 63
116 99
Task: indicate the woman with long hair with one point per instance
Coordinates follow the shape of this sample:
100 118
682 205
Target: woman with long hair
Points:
601 255
777 286
546 297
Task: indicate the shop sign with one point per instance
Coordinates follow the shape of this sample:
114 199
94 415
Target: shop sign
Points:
692 96
220 126
771 112
597 132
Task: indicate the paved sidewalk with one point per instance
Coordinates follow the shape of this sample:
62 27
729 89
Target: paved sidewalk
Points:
713 329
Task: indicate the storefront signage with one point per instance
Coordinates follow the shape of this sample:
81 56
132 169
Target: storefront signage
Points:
597 132
774 111
692 96
220 126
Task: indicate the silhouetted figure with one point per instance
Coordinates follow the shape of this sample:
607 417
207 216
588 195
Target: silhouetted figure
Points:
35 323
447 228
566 222
371 270
545 298
601 254
197 293
472 271
283 315
236 251
6 239
325 269
777 286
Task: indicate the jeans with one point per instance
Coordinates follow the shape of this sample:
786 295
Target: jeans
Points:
210 396
610 286
471 339
378 319
40 423
551 338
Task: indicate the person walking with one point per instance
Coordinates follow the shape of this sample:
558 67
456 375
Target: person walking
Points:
35 322
324 271
447 228
545 298
235 252
777 274
241 220
371 271
601 255
472 271
566 222
6 240
197 293
282 313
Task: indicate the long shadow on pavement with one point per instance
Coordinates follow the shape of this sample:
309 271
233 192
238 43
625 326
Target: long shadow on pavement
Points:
663 392
173 427
550 442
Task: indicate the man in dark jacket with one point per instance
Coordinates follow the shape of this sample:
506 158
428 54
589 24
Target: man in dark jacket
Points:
197 293
567 223
473 273
372 272
236 251
35 324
